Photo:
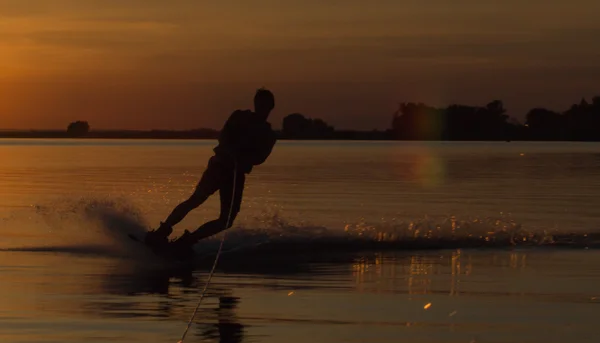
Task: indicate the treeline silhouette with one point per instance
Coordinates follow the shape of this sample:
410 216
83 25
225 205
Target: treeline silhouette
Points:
78 128
115 134
418 121
581 122
411 121
81 129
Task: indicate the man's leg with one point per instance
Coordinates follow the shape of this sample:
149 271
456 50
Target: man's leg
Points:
182 210
231 201
159 237
208 185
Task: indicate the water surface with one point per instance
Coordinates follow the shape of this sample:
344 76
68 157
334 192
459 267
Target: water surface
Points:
336 242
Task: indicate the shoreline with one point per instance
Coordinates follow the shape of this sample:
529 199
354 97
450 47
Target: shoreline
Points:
190 134
209 134
142 136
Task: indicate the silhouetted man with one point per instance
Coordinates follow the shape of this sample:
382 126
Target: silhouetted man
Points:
246 140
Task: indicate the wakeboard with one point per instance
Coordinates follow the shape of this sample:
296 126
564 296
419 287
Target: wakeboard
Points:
198 257
168 254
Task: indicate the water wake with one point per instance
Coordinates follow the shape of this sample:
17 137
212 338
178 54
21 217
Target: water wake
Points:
100 227
95 227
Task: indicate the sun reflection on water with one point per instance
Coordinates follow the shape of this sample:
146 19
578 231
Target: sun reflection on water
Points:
444 273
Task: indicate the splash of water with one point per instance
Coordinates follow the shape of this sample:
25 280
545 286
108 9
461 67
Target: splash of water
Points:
83 226
100 226
276 235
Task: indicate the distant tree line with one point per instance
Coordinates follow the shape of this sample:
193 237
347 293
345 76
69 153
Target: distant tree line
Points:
297 126
78 128
581 122
411 121
418 121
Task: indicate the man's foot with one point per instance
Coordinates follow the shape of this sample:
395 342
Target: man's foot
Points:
158 239
183 247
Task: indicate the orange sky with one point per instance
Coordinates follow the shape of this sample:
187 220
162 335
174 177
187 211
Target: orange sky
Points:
182 64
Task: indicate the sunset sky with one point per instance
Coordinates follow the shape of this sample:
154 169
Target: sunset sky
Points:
180 64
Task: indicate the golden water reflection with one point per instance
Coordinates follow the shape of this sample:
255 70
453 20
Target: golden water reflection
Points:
428 273
434 290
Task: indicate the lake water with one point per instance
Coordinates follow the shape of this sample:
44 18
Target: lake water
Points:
336 242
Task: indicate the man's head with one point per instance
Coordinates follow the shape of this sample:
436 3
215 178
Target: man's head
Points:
264 102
